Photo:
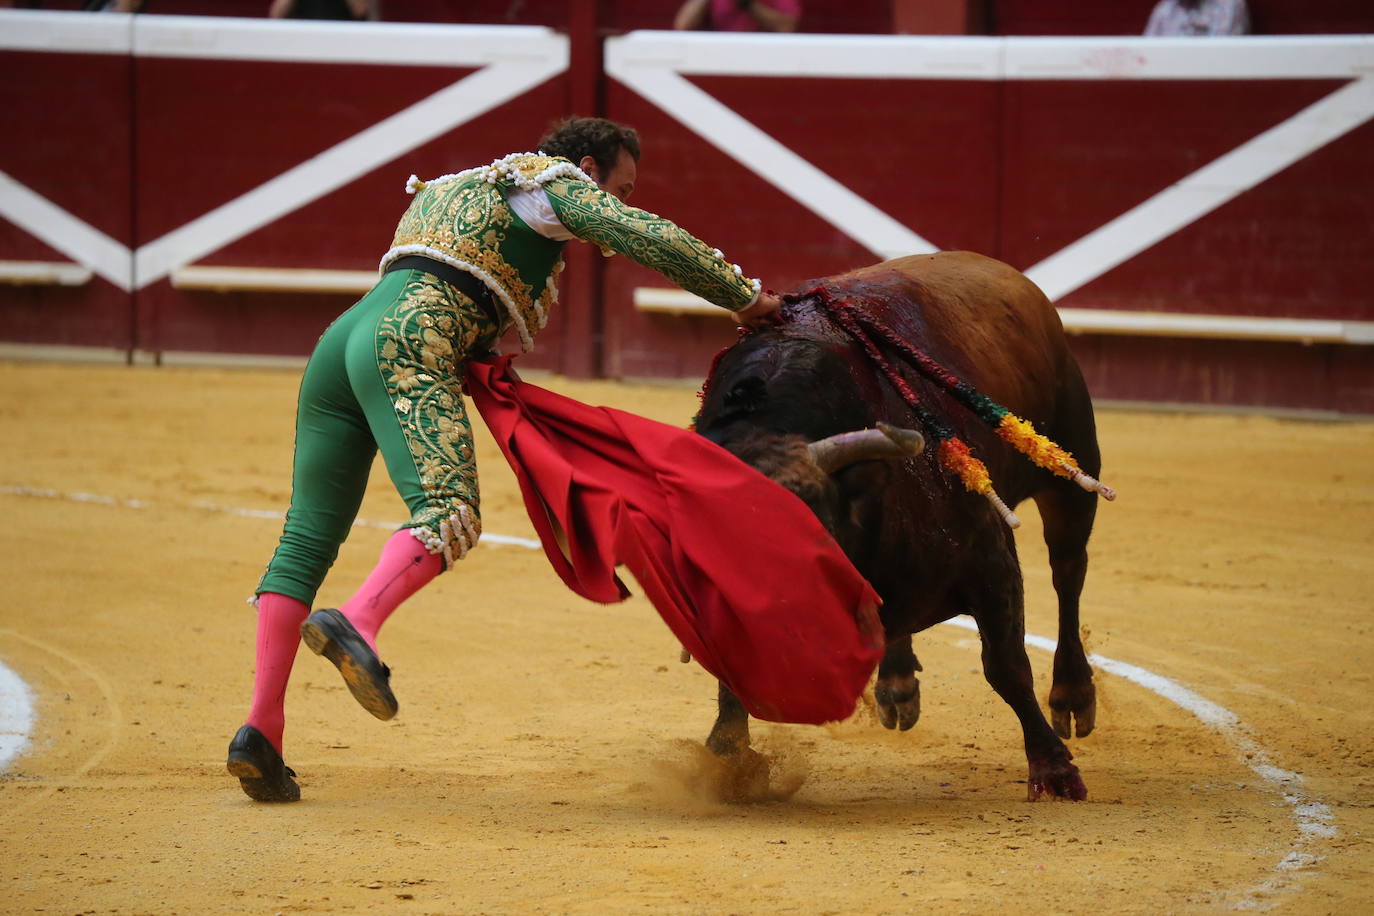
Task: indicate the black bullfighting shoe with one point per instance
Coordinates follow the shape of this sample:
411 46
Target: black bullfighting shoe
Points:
262 773
329 633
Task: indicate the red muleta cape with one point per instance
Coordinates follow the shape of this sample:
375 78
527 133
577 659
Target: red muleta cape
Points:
745 576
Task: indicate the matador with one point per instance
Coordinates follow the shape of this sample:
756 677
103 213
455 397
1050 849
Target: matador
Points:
476 254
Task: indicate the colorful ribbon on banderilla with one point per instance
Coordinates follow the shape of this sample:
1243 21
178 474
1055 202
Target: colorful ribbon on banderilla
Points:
954 454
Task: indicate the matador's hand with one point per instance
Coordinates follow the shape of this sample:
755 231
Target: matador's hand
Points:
758 313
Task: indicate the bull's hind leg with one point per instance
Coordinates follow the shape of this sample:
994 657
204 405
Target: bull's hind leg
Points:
996 603
898 692
1067 513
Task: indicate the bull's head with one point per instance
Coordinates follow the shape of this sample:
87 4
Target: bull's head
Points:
774 399
810 469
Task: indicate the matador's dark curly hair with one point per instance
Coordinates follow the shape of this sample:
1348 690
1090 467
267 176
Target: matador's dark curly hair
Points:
573 138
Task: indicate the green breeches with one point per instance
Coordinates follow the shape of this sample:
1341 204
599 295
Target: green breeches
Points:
386 375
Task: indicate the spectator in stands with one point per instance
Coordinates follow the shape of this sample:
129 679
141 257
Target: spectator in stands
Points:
477 253
739 15
326 9
1198 17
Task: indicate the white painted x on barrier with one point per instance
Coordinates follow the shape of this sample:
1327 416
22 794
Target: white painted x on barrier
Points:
512 59
653 64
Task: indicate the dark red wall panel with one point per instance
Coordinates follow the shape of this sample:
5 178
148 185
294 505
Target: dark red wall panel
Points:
928 159
273 324
922 151
67 135
67 129
95 315
1079 153
211 130
1055 17
18 244
1327 377
1295 246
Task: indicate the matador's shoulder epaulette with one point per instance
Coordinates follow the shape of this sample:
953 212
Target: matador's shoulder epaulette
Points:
526 171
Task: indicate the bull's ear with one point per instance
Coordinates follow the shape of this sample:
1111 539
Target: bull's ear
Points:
885 442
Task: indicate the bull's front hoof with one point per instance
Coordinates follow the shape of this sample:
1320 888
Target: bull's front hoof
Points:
898 700
1059 779
745 777
1073 705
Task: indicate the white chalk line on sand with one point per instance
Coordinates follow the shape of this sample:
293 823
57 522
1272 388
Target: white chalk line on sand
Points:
1313 817
16 716
98 499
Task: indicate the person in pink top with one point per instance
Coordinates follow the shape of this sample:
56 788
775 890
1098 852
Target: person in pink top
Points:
739 15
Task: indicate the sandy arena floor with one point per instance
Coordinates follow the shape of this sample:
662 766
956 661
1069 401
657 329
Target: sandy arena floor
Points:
546 757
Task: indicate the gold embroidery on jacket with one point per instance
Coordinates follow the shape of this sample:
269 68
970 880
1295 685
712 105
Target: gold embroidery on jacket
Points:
467 226
471 223
648 239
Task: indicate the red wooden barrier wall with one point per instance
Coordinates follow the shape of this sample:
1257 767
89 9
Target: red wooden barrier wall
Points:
154 145
1031 170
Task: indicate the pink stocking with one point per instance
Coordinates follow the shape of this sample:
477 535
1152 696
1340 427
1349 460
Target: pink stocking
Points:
279 635
404 567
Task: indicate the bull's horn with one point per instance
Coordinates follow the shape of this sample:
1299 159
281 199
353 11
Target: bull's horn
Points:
835 452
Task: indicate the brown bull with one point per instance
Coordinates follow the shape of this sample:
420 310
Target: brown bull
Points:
931 549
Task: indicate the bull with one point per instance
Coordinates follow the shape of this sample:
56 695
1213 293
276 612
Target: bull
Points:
787 399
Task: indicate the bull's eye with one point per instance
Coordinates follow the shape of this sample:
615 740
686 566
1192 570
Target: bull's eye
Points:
746 394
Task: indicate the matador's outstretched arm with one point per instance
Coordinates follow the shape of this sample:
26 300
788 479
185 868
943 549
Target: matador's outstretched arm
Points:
648 239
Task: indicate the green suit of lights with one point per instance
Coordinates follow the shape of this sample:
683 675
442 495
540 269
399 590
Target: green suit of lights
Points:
387 374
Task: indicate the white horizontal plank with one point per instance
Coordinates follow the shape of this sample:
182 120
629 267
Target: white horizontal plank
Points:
674 302
44 273
1227 327
979 58
79 33
273 279
61 353
871 56
1264 57
415 44
203 360
231 38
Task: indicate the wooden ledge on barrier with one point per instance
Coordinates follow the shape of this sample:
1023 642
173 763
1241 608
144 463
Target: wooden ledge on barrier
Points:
1104 321
44 273
272 279
1224 327
674 302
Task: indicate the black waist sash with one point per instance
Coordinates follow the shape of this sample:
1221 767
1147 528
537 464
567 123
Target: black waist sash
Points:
456 277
